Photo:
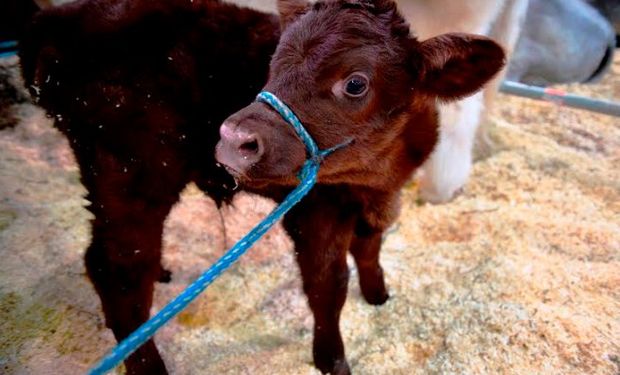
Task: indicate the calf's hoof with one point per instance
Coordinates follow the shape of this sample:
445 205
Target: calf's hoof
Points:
146 361
376 297
164 276
337 367
372 284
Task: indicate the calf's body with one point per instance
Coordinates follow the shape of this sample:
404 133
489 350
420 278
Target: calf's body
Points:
351 71
140 88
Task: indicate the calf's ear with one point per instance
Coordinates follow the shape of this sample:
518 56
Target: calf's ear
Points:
456 65
290 10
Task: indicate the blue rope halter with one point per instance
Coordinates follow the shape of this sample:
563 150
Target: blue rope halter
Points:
308 176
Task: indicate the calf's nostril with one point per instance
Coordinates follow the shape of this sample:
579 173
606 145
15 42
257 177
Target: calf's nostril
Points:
250 147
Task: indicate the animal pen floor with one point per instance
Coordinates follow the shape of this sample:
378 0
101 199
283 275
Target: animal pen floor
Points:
519 275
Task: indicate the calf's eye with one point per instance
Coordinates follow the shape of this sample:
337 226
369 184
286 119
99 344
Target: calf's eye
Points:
356 85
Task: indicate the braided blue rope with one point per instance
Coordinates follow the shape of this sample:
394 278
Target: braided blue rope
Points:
315 154
308 176
8 44
8 48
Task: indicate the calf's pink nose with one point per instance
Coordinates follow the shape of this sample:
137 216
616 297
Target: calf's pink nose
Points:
238 148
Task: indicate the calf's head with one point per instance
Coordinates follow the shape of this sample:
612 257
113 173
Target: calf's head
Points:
350 69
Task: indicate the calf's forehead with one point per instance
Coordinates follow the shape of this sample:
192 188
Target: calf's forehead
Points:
322 39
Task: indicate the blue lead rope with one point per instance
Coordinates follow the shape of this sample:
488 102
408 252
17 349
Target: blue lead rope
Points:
307 176
8 48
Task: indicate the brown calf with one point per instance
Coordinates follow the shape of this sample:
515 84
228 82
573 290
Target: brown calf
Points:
349 69
140 88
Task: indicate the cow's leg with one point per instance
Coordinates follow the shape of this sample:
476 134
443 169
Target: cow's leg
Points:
130 202
365 249
322 234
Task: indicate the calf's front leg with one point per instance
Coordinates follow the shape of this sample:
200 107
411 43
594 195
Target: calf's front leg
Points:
322 233
365 249
378 212
126 291
130 201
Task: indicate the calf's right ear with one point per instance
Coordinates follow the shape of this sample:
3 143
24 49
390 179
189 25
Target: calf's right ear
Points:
290 10
457 65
